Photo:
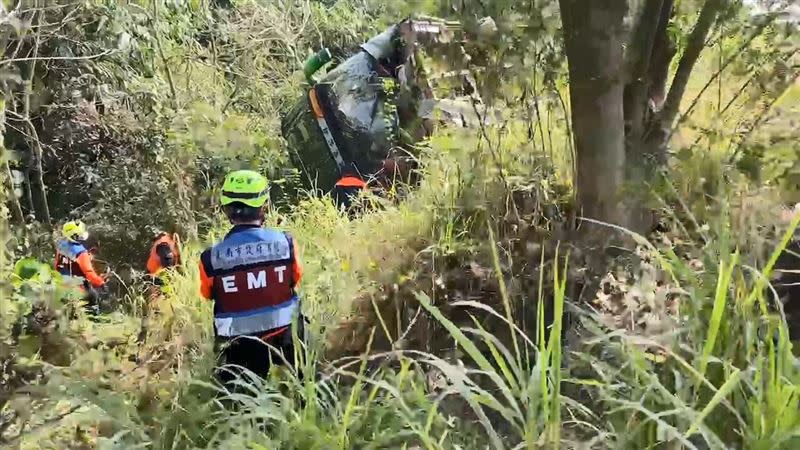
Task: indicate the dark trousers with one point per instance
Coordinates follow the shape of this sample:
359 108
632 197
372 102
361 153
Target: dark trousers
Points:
344 196
258 354
92 296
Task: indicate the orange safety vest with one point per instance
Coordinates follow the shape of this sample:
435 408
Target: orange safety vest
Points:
154 261
351 181
74 260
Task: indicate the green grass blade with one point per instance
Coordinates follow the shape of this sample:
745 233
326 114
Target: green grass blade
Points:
354 393
723 392
554 350
455 332
756 292
504 294
502 358
720 298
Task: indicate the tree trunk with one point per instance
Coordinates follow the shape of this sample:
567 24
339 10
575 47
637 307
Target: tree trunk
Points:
649 56
38 188
658 133
648 30
17 216
661 57
594 37
34 144
648 135
695 45
27 194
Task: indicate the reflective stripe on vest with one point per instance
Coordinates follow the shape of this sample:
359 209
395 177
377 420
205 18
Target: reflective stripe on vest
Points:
257 320
253 285
250 247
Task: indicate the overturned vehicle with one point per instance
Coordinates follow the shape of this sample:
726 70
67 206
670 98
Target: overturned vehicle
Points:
358 123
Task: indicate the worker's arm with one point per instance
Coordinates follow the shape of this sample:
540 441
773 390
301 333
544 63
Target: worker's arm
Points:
297 267
85 263
206 282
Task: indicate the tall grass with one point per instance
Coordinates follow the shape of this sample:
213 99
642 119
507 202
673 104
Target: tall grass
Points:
724 376
729 378
512 398
721 374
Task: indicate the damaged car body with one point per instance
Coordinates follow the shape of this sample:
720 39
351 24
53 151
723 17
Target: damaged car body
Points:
362 118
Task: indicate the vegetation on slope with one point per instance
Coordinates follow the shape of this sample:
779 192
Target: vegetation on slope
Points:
135 112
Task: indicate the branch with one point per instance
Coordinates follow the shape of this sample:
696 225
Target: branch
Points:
14 440
759 30
642 40
643 62
693 49
5 13
26 108
761 118
730 103
160 48
56 58
35 143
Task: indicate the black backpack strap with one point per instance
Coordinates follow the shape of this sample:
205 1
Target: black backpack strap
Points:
292 256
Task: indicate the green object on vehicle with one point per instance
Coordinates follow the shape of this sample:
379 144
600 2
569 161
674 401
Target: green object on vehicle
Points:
315 62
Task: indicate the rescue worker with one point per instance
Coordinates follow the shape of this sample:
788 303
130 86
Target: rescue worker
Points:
164 253
74 262
346 190
251 275
163 257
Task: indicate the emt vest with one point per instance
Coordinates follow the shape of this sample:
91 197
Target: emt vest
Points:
67 253
253 285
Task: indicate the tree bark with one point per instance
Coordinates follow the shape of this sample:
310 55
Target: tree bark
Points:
38 188
620 129
27 195
34 144
15 208
647 31
661 57
17 216
648 138
695 45
648 66
594 38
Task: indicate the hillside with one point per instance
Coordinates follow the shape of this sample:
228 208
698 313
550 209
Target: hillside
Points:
594 267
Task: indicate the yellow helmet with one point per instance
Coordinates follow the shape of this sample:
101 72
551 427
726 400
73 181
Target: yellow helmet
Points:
75 230
245 186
